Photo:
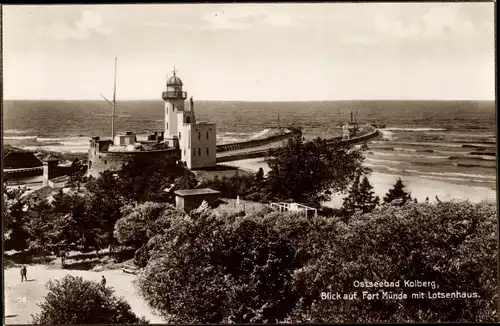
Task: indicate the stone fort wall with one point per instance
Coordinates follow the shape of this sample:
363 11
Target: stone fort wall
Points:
103 161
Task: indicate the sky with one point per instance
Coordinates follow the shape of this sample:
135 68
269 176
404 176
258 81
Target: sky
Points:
251 52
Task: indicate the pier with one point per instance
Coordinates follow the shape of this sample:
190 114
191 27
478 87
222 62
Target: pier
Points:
243 152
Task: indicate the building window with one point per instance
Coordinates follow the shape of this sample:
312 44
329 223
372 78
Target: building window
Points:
105 162
199 151
199 135
194 151
207 151
179 135
207 135
167 125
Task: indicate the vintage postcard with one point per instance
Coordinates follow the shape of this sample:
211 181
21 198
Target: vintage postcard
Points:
249 163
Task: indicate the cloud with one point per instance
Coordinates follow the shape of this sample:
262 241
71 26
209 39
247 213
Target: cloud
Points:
437 22
168 24
88 23
442 20
247 17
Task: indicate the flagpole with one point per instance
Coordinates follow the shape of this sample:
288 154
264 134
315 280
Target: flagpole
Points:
114 108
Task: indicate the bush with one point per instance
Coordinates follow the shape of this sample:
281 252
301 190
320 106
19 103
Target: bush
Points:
452 244
73 300
210 270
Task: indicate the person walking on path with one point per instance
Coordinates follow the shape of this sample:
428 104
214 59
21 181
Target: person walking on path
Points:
103 281
24 272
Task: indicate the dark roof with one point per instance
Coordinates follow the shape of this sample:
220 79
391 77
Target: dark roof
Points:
195 192
21 160
174 81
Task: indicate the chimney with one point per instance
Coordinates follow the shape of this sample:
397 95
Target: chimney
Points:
191 108
49 167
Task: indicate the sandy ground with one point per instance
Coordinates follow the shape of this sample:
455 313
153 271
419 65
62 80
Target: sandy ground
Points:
420 188
21 298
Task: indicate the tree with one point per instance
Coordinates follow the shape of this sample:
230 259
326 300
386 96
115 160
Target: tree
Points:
367 200
211 270
77 176
259 176
103 202
73 300
186 181
397 192
351 200
141 181
14 218
452 244
134 228
308 172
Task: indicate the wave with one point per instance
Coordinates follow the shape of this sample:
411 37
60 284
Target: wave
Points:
474 157
385 161
19 137
455 179
386 135
422 144
475 145
413 129
15 131
227 140
260 133
236 133
411 155
60 149
454 174
477 142
384 167
471 165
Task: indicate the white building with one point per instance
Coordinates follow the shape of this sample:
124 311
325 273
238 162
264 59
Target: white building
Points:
196 140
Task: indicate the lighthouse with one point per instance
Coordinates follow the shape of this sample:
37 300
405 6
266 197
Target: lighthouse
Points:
195 140
174 98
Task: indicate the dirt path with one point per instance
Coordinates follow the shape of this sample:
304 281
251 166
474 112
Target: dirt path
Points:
21 298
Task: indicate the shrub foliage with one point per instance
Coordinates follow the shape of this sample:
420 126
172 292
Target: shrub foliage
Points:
73 300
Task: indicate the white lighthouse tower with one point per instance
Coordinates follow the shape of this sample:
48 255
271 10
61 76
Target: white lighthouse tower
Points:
174 99
195 140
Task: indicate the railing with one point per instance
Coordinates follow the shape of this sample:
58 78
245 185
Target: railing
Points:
294 207
23 169
174 94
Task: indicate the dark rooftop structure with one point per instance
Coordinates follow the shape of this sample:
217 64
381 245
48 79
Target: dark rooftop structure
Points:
50 158
20 160
189 199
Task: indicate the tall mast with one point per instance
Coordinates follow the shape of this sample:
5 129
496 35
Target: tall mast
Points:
278 120
114 108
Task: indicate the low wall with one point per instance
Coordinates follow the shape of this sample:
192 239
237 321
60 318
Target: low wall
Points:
263 153
257 142
242 156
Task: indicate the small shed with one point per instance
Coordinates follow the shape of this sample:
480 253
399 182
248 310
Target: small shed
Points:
189 199
59 182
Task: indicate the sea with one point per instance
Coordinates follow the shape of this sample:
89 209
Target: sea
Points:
432 140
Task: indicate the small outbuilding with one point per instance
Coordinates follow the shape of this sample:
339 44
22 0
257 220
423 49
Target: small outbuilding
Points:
189 199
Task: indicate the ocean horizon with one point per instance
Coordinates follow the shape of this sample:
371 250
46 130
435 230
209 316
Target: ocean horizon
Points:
441 140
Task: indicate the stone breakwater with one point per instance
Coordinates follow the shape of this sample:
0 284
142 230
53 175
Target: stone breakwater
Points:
287 133
369 132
